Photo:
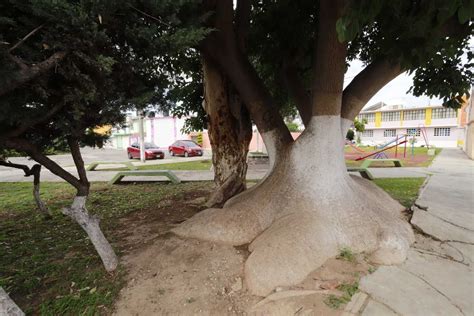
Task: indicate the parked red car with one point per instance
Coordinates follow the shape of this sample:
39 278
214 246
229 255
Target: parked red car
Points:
151 151
185 148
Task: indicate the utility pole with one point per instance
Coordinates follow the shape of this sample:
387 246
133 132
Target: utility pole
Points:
142 136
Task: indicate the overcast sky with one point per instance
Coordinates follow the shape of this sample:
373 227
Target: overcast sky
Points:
396 92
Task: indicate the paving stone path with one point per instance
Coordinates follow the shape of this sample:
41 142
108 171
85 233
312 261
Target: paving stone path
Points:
437 277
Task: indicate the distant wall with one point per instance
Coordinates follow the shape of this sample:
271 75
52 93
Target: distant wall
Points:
256 144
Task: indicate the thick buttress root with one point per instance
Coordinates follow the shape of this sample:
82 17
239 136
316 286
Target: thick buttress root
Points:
291 238
305 212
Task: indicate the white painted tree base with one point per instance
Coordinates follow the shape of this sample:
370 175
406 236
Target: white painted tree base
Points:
90 224
304 212
8 306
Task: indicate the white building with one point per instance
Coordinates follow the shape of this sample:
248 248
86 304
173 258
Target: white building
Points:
160 130
385 122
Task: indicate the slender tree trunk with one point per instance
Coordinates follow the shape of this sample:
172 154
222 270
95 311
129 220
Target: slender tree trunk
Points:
8 306
77 211
230 132
90 224
35 171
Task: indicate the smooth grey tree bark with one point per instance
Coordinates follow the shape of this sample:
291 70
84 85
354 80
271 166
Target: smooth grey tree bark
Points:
7 306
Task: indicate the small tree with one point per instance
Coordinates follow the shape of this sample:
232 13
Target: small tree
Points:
359 127
88 49
350 135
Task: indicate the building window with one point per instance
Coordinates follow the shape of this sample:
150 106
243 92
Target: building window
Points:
414 115
444 113
442 131
389 133
368 133
369 117
413 131
390 116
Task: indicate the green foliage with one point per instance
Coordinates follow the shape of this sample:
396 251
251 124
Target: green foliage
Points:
118 57
346 254
334 301
350 135
293 127
428 39
360 125
348 290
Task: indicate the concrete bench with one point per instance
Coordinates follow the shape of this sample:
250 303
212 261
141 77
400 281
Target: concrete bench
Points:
93 165
368 162
147 173
364 172
259 158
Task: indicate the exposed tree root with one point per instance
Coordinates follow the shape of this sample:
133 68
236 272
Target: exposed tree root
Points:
302 214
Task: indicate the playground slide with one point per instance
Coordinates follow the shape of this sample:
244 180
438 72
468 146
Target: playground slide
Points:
396 139
379 151
355 147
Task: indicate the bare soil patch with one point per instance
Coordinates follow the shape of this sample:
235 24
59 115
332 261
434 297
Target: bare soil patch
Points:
169 275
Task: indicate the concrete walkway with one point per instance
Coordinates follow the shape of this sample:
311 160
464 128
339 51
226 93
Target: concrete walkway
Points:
437 277
15 175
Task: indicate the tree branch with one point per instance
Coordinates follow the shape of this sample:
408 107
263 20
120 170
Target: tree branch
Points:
79 162
157 19
31 123
330 62
32 151
297 91
28 73
242 22
9 164
26 37
35 171
366 84
221 46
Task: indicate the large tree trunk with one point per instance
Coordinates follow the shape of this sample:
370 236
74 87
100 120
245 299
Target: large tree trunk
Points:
304 212
308 207
230 132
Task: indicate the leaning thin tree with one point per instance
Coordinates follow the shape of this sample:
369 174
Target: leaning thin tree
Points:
309 207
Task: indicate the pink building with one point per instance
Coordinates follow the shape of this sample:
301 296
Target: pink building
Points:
256 144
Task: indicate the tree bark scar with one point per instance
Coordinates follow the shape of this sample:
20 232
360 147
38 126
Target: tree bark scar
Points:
225 130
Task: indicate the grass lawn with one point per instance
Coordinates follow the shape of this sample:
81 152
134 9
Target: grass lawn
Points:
50 267
419 158
405 190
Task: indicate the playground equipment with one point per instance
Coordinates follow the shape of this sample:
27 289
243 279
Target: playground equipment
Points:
354 147
380 154
423 132
422 129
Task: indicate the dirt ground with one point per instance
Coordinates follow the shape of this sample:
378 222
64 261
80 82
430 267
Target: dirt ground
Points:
168 275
